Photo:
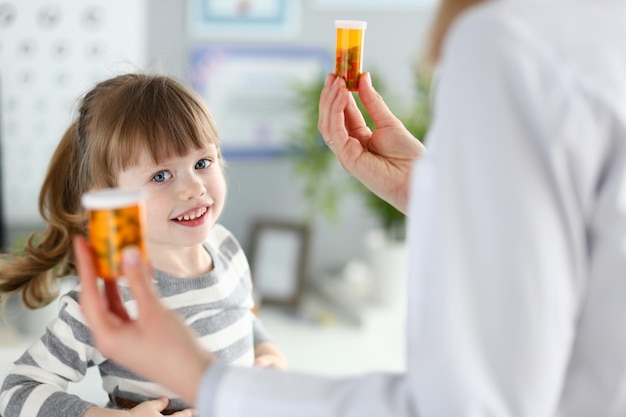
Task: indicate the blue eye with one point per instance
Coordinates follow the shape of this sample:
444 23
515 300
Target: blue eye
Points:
161 176
203 163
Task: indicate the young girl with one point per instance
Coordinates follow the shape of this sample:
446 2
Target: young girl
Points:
152 133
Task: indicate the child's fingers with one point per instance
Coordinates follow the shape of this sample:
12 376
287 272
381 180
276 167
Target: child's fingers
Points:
160 403
264 361
150 407
189 412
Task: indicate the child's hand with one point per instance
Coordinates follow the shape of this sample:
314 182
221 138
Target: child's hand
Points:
267 355
153 409
269 361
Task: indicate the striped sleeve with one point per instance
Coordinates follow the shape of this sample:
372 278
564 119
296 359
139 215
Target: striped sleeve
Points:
228 245
237 266
36 384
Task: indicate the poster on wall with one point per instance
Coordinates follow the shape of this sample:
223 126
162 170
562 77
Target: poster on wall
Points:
251 93
243 19
51 53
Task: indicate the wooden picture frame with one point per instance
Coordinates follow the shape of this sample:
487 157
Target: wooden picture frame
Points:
278 259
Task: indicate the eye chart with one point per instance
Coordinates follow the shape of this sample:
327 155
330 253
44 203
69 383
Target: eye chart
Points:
51 53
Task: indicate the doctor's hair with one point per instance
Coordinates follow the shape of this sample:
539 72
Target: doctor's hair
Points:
445 15
117 121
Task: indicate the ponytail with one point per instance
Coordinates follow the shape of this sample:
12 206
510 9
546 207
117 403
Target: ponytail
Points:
48 255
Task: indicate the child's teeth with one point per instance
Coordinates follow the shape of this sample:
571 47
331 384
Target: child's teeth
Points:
192 216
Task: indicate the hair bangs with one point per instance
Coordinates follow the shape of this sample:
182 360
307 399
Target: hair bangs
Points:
167 122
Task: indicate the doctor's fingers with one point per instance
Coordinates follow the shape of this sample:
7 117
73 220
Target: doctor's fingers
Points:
92 303
355 123
139 277
114 300
327 96
332 107
375 104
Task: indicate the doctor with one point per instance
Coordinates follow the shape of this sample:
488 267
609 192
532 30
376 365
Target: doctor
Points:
517 234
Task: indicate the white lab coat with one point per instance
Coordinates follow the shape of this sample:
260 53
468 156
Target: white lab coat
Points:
517 235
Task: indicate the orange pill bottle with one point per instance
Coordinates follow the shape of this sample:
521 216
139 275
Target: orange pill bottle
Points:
116 219
349 51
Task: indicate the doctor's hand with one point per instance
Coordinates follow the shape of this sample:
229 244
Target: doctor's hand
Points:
157 344
380 159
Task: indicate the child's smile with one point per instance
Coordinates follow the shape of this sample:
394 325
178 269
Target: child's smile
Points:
193 217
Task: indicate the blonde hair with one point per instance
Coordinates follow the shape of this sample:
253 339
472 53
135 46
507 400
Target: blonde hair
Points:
117 120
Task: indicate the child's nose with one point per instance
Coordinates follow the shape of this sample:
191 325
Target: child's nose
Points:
191 188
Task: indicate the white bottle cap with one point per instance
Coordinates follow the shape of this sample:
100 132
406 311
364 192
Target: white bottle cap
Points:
351 24
111 198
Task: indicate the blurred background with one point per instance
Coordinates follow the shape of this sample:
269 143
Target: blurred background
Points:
327 259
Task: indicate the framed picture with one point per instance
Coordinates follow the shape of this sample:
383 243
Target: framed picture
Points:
243 19
379 5
278 258
251 93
